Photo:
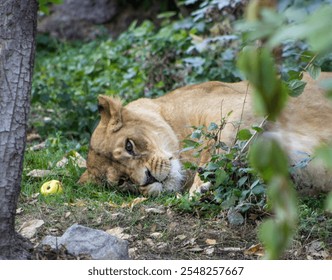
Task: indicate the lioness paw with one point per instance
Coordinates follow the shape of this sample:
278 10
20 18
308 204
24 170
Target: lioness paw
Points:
151 190
200 189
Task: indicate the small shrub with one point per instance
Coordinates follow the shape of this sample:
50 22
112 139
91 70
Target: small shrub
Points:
234 183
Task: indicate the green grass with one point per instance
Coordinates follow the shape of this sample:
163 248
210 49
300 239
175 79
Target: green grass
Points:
95 206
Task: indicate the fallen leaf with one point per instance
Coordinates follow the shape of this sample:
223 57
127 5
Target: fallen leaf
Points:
38 147
181 237
113 205
78 203
79 160
116 216
67 214
211 241
30 228
156 235
191 241
149 242
162 245
209 251
134 202
157 210
35 195
33 137
75 157
118 232
133 252
195 249
257 250
153 227
19 210
39 173
231 249
62 163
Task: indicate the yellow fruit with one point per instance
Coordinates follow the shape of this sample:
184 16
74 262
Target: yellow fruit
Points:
51 187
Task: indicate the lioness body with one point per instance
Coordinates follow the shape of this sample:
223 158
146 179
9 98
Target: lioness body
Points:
141 142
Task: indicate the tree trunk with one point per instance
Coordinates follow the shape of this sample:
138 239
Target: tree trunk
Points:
18 20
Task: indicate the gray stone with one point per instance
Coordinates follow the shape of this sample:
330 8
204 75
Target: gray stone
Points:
78 19
234 217
95 243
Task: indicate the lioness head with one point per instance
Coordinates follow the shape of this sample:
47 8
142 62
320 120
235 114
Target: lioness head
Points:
133 149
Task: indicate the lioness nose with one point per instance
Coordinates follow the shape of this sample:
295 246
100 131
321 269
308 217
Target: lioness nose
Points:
149 178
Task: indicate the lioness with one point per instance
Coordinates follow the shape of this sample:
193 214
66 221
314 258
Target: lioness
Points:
138 147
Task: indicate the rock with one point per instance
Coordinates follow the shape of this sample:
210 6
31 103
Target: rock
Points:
78 19
234 217
80 240
88 19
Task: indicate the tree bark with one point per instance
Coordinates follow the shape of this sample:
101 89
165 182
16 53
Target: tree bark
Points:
18 20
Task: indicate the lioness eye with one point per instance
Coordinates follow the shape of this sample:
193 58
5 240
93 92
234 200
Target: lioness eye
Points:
129 147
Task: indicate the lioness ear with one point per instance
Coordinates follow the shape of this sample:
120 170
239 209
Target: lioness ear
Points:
110 111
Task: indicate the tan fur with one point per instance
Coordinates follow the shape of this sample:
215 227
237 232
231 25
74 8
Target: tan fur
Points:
155 129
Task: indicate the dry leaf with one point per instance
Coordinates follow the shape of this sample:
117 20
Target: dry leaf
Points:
67 214
257 250
181 237
116 216
133 252
39 173
75 157
30 228
134 202
211 241
231 249
33 137
157 210
78 203
156 235
195 249
19 210
38 147
162 245
118 232
113 205
149 242
62 163
209 251
79 160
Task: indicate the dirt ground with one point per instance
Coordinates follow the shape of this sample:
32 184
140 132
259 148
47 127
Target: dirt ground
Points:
159 232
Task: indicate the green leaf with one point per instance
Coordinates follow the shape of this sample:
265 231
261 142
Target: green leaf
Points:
190 143
268 158
213 126
221 177
244 134
258 129
328 203
211 166
269 233
296 87
242 180
197 134
270 94
258 189
314 71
